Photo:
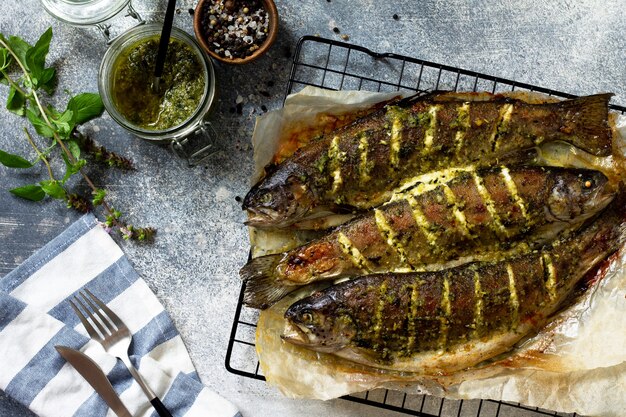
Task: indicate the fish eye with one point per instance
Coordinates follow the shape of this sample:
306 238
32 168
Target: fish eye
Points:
588 183
266 198
306 316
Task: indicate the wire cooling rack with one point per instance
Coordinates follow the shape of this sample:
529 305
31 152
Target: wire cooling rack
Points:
337 65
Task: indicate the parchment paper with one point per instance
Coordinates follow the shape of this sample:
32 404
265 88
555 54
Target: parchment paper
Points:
576 364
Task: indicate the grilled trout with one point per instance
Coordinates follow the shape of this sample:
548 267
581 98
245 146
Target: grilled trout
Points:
358 166
444 321
477 213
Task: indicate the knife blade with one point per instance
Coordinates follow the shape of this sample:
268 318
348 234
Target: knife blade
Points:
96 377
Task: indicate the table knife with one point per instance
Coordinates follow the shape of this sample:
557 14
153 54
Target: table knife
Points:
96 378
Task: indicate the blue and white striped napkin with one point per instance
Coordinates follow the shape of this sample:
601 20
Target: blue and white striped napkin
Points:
35 316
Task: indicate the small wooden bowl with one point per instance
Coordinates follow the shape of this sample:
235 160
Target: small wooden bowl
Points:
272 31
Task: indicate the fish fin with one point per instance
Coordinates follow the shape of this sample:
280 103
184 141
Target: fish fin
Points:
262 286
419 96
589 116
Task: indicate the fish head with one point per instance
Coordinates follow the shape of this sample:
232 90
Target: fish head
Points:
280 199
579 195
317 323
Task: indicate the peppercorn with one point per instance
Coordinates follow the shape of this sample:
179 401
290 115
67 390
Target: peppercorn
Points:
236 30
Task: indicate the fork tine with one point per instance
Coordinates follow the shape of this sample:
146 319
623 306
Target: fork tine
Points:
107 322
112 316
92 332
104 328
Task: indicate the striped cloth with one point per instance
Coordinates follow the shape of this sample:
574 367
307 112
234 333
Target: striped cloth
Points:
35 316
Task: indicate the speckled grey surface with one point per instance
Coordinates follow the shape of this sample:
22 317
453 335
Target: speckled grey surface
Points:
567 45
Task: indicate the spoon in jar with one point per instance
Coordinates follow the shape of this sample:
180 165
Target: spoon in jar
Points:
164 41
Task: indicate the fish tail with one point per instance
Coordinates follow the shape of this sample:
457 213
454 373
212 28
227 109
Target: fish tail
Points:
589 117
263 288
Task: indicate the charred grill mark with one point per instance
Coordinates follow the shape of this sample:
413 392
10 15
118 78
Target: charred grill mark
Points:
444 318
501 126
510 185
353 253
429 133
394 143
513 300
549 274
478 305
391 238
421 221
334 156
461 221
364 171
495 223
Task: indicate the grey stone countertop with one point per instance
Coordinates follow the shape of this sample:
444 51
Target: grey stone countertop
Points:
572 46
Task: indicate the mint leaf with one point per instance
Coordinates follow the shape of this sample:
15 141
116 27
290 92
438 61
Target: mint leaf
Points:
47 80
20 47
29 192
85 106
16 101
73 148
13 161
53 189
36 60
40 126
70 168
64 123
98 196
5 59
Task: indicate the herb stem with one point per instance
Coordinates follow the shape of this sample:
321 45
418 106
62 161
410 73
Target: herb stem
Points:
14 84
49 117
39 154
24 70
44 114
33 94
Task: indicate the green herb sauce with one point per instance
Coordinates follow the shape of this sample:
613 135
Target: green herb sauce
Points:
180 92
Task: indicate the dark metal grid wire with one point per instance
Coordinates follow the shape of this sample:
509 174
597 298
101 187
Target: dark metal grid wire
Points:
337 65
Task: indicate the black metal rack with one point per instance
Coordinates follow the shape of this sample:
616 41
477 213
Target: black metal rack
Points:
338 65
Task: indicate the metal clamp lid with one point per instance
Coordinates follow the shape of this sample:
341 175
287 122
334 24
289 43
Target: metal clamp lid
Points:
105 28
198 146
96 13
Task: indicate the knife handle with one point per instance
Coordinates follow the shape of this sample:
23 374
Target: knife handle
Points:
160 408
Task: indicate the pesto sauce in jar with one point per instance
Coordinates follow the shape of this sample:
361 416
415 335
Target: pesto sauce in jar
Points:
180 92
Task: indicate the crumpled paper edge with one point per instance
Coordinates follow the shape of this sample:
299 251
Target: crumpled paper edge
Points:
303 107
574 367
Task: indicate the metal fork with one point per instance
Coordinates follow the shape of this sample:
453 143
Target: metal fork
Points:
114 336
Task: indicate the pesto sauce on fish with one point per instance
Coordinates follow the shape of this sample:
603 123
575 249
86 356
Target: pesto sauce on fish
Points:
475 214
361 165
443 321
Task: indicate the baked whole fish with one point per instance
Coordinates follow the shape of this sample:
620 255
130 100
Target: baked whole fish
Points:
358 166
476 213
444 321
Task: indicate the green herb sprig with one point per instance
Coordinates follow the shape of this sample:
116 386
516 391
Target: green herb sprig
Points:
59 127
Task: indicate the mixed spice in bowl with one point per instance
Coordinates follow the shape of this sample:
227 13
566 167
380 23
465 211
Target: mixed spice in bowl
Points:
236 31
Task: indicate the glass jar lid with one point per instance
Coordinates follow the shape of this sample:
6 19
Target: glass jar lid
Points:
84 12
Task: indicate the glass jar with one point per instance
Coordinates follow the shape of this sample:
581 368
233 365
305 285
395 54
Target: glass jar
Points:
91 13
188 139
